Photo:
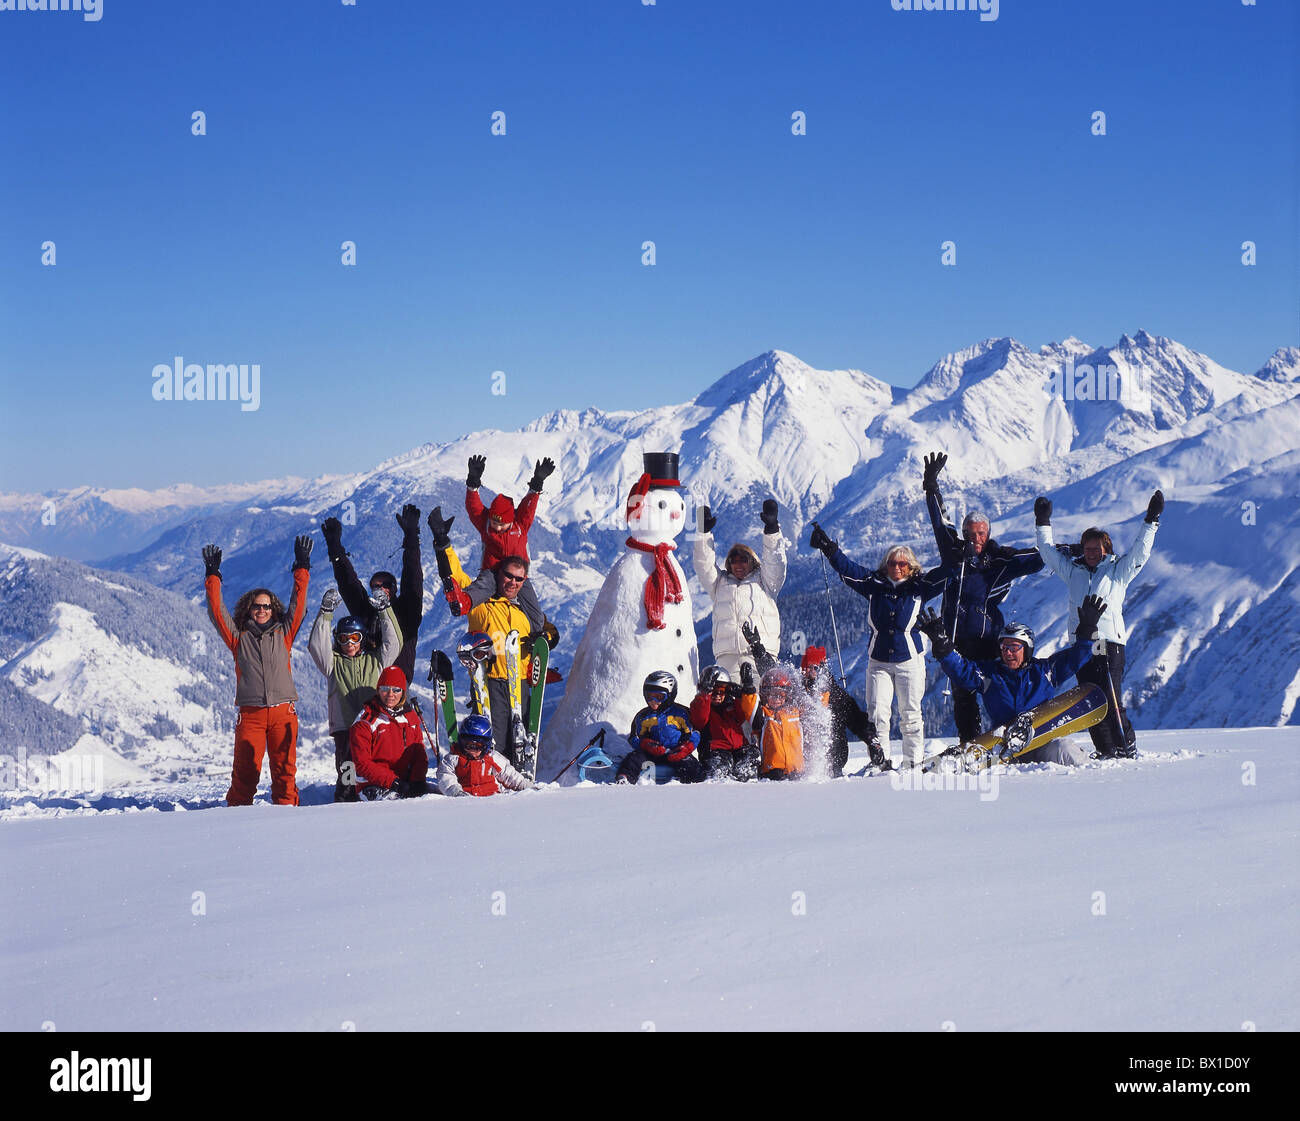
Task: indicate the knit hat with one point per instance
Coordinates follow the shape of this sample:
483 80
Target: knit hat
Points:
813 656
502 509
392 676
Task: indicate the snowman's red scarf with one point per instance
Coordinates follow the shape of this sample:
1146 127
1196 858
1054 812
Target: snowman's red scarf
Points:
662 585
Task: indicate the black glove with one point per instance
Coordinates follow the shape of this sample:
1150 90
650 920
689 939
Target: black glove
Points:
541 473
302 551
1067 550
747 677
821 542
933 465
754 639
707 520
330 600
211 561
475 476
932 627
769 517
551 633
1042 511
1155 507
401 788
332 530
968 553
409 520
440 528
1090 612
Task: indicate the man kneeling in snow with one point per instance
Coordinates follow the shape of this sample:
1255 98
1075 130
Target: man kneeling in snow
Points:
1016 682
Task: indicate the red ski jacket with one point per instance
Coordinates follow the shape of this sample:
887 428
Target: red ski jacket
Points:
388 746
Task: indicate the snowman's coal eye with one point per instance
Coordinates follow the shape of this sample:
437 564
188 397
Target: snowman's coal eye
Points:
662 504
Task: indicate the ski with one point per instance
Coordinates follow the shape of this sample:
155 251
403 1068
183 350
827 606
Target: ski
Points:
540 659
440 671
524 761
1072 711
472 653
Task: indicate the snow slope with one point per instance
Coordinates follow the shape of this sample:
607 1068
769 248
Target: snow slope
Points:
1158 894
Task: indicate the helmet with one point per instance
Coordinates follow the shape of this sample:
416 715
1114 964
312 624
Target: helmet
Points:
349 624
661 681
478 729
776 686
1020 633
713 676
474 648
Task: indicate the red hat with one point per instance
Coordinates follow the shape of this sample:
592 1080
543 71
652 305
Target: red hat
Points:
813 656
502 509
392 676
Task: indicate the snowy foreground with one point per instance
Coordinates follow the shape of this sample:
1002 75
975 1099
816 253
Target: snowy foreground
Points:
1156 894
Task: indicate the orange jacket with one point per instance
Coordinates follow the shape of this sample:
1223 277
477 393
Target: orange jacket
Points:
780 735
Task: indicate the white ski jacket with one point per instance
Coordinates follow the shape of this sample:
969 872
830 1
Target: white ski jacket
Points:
751 600
1110 579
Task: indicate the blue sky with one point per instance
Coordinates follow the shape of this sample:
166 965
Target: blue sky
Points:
625 122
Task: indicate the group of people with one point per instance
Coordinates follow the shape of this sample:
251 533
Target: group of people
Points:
750 718
368 657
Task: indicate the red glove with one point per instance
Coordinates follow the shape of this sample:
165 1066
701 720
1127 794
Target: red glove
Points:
679 753
653 747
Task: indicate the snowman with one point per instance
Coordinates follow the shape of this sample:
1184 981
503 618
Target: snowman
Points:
641 622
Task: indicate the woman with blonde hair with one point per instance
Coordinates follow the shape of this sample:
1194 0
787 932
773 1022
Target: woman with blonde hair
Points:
895 593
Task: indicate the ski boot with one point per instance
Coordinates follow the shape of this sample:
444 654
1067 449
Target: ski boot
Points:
1017 737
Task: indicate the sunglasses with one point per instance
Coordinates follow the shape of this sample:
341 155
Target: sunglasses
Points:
260 607
390 689
513 577
1011 644
350 639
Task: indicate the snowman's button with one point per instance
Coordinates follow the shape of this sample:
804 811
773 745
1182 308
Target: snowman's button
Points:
679 632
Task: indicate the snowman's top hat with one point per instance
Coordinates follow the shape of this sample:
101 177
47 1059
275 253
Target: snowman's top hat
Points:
661 467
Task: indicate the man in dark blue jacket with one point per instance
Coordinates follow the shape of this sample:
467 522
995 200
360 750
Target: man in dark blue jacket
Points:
1016 682
981 572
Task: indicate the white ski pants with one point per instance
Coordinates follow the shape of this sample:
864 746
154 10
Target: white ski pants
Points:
908 680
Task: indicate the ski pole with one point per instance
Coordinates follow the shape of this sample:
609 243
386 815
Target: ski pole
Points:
956 607
599 737
834 629
1114 700
415 704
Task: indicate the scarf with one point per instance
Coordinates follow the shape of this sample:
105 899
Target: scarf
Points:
662 585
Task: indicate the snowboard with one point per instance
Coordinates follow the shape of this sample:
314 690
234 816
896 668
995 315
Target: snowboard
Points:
1072 711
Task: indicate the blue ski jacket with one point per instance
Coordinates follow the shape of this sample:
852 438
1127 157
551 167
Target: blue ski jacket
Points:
1009 692
972 600
893 609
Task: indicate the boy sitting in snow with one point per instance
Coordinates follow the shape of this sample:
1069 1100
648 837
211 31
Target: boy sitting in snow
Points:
662 733
721 711
472 767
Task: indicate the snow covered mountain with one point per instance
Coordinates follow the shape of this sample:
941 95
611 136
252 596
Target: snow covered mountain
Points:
1096 428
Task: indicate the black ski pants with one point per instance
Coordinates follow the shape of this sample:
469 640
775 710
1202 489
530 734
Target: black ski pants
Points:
503 715
1106 739
965 702
688 770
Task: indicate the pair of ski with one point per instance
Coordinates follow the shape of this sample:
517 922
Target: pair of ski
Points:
1072 711
524 728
